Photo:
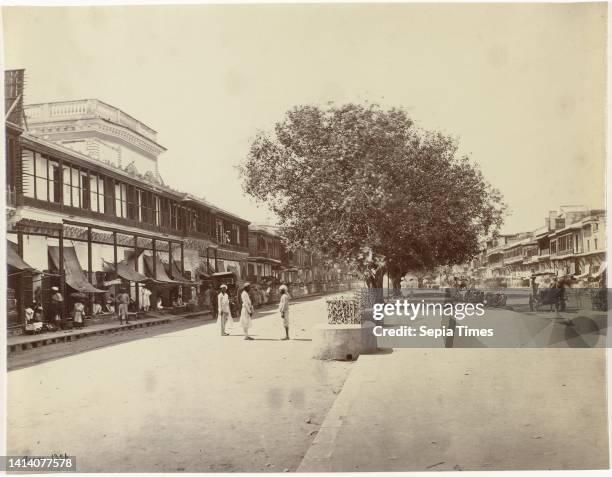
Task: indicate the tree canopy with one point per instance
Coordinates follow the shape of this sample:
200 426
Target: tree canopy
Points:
365 185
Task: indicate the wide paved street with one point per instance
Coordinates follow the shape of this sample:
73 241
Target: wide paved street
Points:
190 400
186 400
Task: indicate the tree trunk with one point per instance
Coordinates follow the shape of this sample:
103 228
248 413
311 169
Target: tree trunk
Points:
376 285
396 283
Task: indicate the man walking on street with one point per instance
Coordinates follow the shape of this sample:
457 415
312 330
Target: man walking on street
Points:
124 300
223 305
283 308
247 311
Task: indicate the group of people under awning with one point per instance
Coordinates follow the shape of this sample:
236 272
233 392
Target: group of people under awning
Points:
81 291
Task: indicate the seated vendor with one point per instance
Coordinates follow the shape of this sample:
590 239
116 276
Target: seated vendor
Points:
110 306
97 308
38 312
29 313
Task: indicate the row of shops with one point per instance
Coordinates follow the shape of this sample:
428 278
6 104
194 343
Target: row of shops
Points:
100 262
89 214
156 271
571 244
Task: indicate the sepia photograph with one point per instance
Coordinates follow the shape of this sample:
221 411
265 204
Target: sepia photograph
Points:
305 237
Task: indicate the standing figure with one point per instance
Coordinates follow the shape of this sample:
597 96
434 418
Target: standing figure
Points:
57 306
77 313
533 282
146 299
223 305
124 300
247 311
283 308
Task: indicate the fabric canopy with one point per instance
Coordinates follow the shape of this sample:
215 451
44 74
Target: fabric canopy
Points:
176 272
160 271
601 270
75 277
127 272
14 260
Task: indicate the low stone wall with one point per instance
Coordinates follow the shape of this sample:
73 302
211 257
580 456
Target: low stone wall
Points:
297 291
347 334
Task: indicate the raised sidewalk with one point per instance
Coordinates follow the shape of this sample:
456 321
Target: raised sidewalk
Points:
20 343
467 409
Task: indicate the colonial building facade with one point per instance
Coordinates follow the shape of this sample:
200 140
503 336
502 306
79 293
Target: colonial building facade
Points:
88 212
571 242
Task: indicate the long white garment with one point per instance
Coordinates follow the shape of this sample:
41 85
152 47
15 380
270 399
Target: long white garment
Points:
146 297
79 309
224 311
283 308
223 302
247 310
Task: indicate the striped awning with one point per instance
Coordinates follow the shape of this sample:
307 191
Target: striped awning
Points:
75 276
14 260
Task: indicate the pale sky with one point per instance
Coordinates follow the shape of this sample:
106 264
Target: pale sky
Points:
521 86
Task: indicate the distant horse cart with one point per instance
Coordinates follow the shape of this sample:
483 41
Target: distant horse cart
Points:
554 297
551 297
495 299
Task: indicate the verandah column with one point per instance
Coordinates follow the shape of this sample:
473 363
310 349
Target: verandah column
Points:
61 270
170 260
182 268
89 266
20 292
115 264
136 284
154 246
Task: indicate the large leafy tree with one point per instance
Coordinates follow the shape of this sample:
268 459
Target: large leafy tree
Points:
364 185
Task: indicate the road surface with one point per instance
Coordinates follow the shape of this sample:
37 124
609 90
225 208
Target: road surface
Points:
188 400
191 400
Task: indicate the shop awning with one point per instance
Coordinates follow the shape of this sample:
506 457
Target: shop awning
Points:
126 271
14 260
600 271
233 269
160 271
75 276
176 272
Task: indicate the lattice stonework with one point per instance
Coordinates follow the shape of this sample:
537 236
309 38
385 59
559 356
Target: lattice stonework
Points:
343 311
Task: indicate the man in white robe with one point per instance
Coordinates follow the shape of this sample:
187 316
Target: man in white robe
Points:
224 309
247 311
283 309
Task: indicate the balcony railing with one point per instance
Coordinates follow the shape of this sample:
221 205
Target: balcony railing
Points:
58 207
83 109
568 251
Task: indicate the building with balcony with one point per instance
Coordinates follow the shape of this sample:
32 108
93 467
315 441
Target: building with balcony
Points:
89 222
571 242
98 130
579 247
265 253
